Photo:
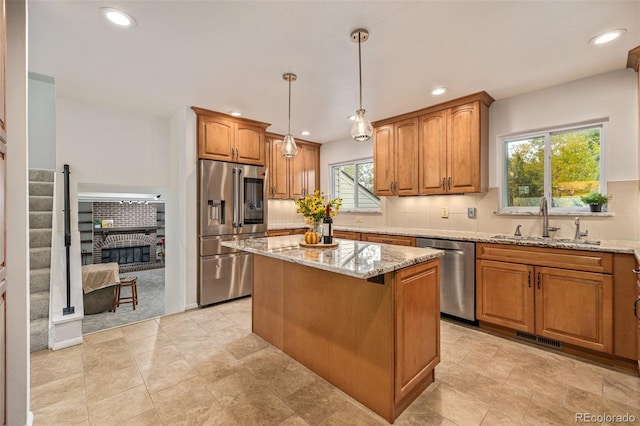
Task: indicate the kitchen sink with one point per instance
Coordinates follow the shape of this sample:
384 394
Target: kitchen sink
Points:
547 239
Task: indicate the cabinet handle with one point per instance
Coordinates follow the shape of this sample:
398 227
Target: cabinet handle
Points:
636 270
636 312
529 279
538 280
449 183
443 184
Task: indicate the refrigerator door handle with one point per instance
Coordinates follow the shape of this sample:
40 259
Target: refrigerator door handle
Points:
234 202
240 187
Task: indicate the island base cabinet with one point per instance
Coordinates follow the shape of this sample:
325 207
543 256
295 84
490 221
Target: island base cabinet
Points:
379 343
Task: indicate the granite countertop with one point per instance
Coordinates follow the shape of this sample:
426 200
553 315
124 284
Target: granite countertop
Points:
358 259
609 246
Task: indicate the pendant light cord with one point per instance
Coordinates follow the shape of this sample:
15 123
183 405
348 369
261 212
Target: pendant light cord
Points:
289 131
360 66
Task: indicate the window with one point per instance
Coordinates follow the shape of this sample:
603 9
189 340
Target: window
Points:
562 165
353 182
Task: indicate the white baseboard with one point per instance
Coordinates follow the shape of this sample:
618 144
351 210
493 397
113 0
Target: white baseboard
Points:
67 343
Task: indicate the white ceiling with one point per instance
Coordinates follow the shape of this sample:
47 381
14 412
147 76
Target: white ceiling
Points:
230 55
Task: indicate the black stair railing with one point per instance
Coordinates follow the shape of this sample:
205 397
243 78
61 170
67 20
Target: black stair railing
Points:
67 239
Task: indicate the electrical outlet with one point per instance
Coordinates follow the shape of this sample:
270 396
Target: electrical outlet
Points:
445 213
471 212
358 219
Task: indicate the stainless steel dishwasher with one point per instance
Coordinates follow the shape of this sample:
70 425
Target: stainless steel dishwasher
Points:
457 276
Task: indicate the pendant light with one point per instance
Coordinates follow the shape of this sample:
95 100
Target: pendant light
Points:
289 148
361 130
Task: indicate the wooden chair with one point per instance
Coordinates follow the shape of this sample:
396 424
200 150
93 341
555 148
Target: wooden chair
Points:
120 299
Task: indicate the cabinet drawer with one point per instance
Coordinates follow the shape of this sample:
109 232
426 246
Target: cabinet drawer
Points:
279 232
347 235
578 260
399 240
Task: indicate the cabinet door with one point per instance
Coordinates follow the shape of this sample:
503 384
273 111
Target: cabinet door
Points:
406 154
575 307
505 294
636 310
383 160
433 153
297 174
217 138
311 154
278 171
463 150
417 322
250 145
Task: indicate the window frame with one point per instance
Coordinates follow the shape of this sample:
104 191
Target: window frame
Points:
332 193
547 133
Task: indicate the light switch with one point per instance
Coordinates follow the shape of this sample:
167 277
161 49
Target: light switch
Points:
445 213
471 212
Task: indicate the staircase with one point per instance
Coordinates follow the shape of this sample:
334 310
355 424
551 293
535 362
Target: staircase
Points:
40 223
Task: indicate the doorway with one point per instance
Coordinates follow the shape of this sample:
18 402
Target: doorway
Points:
127 232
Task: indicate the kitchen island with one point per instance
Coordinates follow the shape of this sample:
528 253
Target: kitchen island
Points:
363 316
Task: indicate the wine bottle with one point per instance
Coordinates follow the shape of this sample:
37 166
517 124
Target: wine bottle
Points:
327 232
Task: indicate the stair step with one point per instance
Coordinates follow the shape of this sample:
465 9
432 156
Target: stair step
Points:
40 238
39 279
39 305
41 175
42 203
40 220
39 334
40 258
41 188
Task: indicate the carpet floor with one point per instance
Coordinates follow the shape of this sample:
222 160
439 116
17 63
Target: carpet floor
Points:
150 285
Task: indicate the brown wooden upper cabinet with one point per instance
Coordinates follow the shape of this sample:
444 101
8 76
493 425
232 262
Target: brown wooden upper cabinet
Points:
225 138
395 156
295 177
442 149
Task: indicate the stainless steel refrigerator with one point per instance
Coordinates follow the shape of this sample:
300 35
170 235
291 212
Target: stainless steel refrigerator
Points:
233 205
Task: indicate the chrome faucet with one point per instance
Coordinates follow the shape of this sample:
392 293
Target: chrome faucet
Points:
578 233
544 211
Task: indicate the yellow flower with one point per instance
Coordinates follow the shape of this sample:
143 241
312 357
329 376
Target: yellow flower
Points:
314 206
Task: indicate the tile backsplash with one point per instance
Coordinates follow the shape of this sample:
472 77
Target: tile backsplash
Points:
425 212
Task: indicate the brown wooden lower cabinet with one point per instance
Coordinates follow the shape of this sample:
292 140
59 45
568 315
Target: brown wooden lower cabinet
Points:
347 235
399 240
379 343
279 232
568 305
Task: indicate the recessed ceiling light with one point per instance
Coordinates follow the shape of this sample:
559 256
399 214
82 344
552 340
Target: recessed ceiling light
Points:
305 133
235 113
608 36
351 117
118 17
439 91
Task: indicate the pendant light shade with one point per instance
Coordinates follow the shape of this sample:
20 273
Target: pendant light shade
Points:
361 130
289 148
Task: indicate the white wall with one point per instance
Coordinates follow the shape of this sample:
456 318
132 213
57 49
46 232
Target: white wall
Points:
109 148
18 392
42 122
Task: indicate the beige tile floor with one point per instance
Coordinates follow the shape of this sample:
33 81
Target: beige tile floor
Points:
204 367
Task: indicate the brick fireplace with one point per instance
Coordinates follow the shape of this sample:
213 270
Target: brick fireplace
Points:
132 242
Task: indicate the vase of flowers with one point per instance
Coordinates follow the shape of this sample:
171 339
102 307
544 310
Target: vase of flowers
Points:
314 206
